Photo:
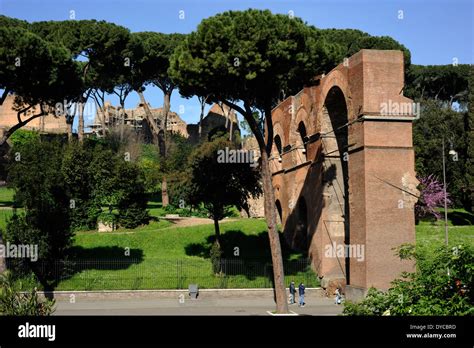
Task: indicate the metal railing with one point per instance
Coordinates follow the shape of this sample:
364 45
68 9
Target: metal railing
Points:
134 274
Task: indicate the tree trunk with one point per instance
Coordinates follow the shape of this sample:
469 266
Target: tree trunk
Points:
80 125
269 200
216 251
166 109
231 126
270 213
273 236
122 126
203 105
165 201
8 133
222 106
69 130
149 116
217 230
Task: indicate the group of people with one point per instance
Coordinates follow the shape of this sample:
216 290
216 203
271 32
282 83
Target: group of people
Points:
301 290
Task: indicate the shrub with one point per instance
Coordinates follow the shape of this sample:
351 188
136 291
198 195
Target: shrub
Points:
112 182
133 216
107 218
198 211
132 197
76 159
23 137
14 302
150 166
40 188
441 285
216 255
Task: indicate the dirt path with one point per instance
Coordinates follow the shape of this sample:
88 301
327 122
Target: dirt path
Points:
176 222
192 221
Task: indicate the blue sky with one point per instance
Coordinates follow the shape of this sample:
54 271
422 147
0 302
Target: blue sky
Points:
435 31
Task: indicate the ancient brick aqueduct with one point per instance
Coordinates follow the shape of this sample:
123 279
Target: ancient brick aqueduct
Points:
343 171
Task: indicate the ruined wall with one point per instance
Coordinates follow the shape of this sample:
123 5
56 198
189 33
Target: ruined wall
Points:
257 205
217 117
49 123
341 169
136 118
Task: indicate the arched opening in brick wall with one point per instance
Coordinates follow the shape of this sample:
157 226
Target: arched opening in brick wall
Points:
278 145
335 160
276 163
279 211
300 237
303 139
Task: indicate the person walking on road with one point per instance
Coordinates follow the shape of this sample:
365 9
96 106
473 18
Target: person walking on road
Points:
301 289
292 292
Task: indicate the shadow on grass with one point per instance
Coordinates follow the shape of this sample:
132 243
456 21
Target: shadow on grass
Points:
79 259
461 218
249 255
457 218
6 203
107 255
235 243
153 205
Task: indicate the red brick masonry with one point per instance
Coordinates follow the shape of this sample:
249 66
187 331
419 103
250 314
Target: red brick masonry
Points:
344 174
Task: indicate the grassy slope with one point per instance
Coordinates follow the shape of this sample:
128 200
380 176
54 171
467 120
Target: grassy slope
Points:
160 240
167 257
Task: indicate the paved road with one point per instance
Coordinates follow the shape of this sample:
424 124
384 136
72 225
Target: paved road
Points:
247 306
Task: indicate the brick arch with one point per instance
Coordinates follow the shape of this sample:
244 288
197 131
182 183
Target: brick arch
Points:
299 155
301 115
275 164
306 103
277 114
334 222
278 184
279 124
278 130
335 78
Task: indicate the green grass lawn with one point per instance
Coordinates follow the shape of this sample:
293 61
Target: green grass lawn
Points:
6 205
165 257
5 214
460 230
6 197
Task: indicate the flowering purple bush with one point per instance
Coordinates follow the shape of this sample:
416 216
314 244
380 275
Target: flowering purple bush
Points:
431 197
